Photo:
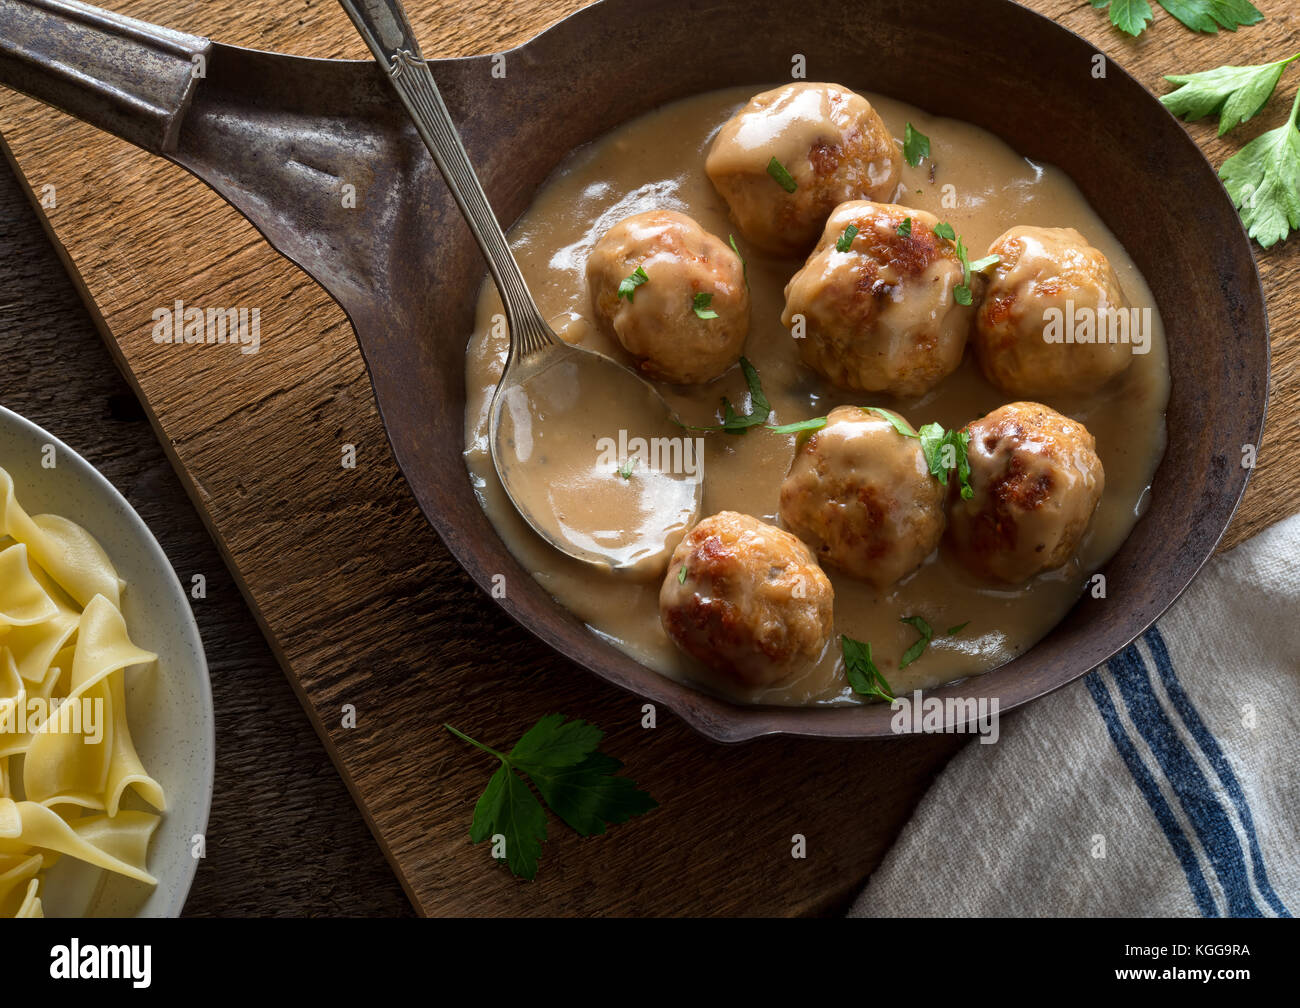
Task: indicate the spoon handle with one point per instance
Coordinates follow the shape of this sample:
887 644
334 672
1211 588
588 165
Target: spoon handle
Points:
384 27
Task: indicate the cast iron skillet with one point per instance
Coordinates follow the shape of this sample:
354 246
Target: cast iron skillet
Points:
277 136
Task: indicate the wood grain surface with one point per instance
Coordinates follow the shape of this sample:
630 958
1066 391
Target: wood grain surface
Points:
364 607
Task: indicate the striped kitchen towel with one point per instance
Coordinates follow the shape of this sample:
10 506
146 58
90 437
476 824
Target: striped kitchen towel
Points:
1164 783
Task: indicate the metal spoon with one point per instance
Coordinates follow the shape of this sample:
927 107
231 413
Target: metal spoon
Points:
535 350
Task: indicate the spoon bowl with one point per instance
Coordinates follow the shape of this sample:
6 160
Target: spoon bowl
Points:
616 493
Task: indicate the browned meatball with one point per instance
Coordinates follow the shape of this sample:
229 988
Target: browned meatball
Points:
1037 480
657 321
883 316
1023 338
830 140
861 496
752 604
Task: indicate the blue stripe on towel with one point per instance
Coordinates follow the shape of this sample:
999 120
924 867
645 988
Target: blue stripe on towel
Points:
1164 815
1203 809
1222 768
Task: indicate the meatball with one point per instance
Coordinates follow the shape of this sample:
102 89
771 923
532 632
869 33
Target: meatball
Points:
832 143
686 321
1037 480
860 495
883 316
1024 337
747 599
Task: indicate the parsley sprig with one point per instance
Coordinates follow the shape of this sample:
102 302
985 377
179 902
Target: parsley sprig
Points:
1263 178
1133 16
577 782
1235 92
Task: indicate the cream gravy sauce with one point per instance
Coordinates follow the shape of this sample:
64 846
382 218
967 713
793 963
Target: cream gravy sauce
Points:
657 160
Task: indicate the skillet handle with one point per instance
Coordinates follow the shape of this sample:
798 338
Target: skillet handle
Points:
127 77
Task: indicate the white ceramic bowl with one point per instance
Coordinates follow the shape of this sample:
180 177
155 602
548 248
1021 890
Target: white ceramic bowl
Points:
169 706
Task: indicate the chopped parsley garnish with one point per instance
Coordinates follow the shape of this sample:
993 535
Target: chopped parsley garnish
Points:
944 450
681 574
744 266
923 641
962 292
815 424
918 648
899 424
905 229
576 782
627 289
701 303
916 145
861 671
845 241
1236 93
625 470
737 423
783 178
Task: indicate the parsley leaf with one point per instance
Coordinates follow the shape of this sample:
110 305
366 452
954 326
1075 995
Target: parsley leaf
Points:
916 145
575 780
737 423
962 293
1133 16
507 807
918 648
783 178
861 671
944 450
815 424
953 631
1263 179
899 424
1209 15
681 574
905 228
701 303
588 795
625 470
744 266
1236 93
627 289
845 241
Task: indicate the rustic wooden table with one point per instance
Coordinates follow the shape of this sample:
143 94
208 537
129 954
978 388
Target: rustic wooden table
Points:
285 839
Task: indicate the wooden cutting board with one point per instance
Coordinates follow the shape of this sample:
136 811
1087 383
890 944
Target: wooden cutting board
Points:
367 611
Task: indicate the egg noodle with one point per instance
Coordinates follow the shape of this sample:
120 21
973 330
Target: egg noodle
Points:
66 755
